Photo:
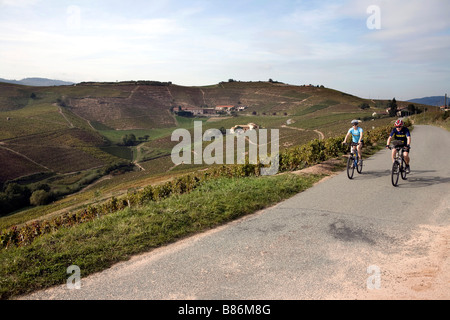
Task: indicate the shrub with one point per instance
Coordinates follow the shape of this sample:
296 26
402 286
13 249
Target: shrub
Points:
40 198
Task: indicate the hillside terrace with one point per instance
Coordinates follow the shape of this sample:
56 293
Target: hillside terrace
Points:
195 111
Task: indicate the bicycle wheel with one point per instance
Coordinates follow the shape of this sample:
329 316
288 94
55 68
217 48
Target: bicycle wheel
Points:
350 167
403 170
395 173
359 165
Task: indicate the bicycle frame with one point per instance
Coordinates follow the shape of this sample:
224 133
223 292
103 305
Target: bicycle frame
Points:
353 161
398 166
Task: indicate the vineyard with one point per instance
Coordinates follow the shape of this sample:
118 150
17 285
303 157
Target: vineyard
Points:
64 139
290 159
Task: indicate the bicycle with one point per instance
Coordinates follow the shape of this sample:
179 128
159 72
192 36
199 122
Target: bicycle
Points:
353 161
399 165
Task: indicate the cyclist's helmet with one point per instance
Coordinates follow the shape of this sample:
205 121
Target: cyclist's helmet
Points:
355 122
399 123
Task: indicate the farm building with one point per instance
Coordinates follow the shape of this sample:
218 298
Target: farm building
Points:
250 126
224 108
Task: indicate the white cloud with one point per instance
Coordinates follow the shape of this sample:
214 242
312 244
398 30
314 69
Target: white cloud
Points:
402 18
324 42
146 27
320 19
18 3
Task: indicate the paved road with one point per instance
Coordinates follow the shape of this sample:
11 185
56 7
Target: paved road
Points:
342 239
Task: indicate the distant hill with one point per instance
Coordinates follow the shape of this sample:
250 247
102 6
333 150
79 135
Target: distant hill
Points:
38 82
147 104
432 101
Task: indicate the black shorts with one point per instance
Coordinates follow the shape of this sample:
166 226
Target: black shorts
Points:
404 147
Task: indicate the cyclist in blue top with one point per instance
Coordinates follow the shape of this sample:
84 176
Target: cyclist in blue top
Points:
357 136
401 133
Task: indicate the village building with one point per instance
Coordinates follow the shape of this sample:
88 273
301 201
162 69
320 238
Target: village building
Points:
194 110
224 108
209 111
244 128
198 111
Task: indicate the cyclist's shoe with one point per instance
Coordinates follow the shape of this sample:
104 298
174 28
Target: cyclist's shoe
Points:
407 169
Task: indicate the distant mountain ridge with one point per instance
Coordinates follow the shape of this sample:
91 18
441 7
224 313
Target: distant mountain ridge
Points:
432 101
38 82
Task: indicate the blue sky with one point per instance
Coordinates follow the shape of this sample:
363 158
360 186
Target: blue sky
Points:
370 48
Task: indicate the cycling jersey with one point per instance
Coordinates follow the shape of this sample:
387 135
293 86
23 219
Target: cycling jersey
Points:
356 134
401 135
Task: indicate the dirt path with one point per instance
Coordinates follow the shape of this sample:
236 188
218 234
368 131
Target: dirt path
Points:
321 135
64 116
24 156
203 94
133 92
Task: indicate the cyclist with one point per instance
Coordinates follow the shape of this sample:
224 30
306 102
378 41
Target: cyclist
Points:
401 133
357 137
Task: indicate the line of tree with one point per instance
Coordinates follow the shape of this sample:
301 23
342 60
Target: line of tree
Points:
392 108
131 140
16 196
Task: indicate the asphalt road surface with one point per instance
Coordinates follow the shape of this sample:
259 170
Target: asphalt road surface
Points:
341 239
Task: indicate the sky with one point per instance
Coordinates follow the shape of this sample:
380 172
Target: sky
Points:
375 49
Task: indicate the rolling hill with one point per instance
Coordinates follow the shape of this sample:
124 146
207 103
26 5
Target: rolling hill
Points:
69 136
431 101
39 82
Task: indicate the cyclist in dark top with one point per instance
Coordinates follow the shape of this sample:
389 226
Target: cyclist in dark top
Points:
401 133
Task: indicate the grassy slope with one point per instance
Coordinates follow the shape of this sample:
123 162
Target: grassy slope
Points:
96 245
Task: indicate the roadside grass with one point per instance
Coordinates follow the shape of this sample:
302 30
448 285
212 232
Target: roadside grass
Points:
97 245
438 118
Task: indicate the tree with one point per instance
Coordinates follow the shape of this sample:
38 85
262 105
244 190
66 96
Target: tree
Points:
18 195
40 198
223 130
5 206
392 107
364 105
412 108
43 186
129 139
